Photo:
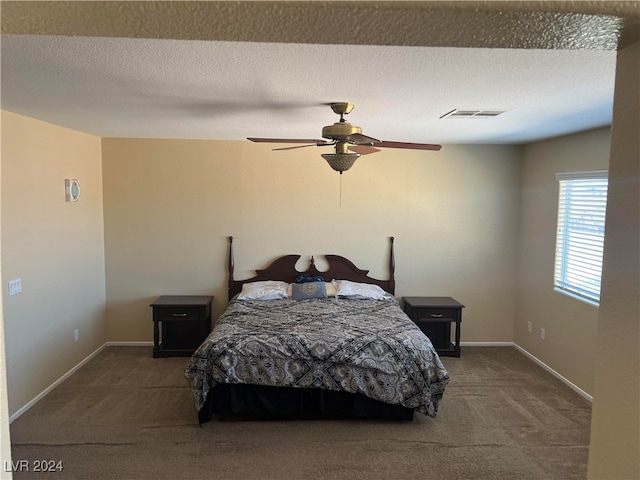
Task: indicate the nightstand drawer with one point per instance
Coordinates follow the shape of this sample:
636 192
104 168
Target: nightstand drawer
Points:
426 314
179 313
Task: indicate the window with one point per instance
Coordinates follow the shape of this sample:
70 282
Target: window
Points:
580 236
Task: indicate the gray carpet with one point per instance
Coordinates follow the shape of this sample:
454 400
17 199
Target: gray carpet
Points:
127 415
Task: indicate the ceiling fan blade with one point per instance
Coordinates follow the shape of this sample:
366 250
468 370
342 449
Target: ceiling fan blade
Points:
363 149
411 146
287 140
360 139
304 146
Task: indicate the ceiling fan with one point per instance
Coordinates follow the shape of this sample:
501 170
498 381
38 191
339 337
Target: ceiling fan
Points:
348 139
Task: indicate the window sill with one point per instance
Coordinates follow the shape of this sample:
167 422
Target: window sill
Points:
577 297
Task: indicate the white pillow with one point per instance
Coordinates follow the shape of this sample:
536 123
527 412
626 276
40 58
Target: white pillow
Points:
332 290
348 289
267 290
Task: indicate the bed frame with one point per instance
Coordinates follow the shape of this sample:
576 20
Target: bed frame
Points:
229 401
284 268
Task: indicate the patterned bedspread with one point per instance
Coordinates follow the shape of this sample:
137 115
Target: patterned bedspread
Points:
359 346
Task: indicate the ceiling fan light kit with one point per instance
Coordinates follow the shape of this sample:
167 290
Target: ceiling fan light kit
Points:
348 140
340 162
342 159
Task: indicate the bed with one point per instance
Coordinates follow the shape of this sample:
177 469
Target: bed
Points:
315 344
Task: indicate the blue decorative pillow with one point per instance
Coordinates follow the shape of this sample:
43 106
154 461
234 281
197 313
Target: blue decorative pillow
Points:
304 278
303 291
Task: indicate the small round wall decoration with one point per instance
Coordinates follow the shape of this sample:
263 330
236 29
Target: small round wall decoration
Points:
72 189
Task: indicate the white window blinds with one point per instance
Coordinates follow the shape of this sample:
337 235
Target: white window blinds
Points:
580 237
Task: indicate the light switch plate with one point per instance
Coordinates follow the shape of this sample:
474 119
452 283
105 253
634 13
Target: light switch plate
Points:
15 286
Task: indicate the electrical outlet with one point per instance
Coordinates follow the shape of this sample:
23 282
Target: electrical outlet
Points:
76 335
542 334
15 286
529 327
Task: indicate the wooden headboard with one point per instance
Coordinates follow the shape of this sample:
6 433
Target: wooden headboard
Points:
284 269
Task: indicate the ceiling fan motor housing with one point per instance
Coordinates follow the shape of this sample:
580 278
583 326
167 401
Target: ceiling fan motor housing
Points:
340 130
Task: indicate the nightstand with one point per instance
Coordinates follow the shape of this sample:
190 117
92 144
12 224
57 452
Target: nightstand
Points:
434 316
186 322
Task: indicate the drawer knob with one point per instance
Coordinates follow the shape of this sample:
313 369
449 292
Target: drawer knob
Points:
179 315
436 315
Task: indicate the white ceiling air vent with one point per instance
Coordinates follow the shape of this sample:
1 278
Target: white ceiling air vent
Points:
456 113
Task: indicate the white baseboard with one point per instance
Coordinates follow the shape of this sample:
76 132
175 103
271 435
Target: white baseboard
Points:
486 344
42 394
534 359
564 380
72 371
128 344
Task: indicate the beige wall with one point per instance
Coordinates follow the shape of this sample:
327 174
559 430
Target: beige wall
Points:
5 444
170 205
615 428
457 216
570 324
55 247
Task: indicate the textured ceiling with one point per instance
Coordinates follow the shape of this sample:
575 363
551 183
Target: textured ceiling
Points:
228 70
